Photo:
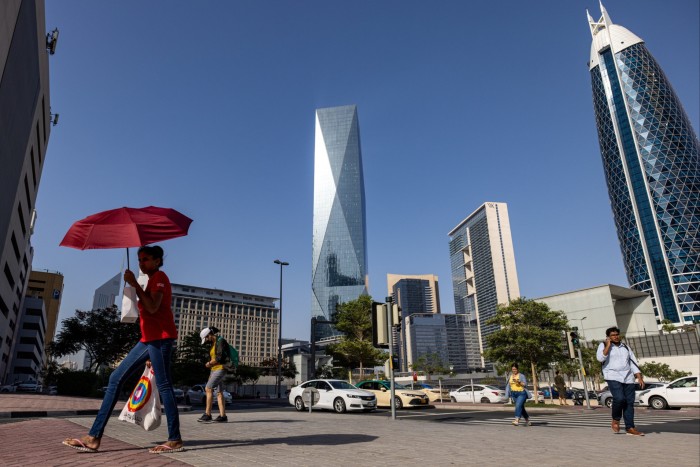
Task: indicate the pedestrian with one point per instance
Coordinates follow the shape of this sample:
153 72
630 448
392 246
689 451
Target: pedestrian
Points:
561 387
219 362
155 348
516 389
620 368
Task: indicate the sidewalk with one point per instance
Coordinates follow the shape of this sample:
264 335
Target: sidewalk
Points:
290 438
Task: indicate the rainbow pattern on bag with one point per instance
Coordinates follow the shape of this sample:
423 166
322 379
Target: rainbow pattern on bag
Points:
142 392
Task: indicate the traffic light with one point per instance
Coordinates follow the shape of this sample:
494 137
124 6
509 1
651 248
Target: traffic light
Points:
380 331
394 362
574 339
570 345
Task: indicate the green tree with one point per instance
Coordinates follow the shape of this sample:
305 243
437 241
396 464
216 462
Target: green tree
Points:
530 334
430 364
661 371
355 350
594 369
99 333
188 365
268 367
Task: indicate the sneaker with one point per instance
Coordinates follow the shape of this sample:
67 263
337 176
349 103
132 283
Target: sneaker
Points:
221 419
528 423
515 422
615 426
204 418
634 432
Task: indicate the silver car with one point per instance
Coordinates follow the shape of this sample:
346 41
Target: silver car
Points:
605 398
197 395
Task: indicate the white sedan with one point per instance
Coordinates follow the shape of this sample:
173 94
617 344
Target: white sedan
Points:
682 392
482 393
334 394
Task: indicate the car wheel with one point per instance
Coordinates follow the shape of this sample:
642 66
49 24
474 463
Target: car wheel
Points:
485 400
339 405
299 404
658 403
453 399
608 402
397 403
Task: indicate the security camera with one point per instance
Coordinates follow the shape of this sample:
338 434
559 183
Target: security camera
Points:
55 120
51 41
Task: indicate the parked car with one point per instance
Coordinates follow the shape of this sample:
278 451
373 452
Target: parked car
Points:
334 394
197 395
681 392
554 393
483 394
9 387
29 386
403 395
432 392
579 395
53 390
180 395
605 398
531 391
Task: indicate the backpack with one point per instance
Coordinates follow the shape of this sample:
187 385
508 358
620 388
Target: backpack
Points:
232 355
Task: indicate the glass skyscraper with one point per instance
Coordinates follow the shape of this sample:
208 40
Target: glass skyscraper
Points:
483 267
339 262
652 168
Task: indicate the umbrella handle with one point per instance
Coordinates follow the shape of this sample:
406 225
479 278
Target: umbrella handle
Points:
127 259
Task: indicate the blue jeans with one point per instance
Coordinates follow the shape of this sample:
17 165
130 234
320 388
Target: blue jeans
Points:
520 397
623 401
159 353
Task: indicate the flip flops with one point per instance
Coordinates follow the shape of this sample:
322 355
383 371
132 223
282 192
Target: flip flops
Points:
80 446
164 449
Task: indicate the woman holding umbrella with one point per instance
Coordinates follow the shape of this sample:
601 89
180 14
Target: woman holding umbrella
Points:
158 335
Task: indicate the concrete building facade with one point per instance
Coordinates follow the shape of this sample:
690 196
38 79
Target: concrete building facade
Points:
25 126
248 322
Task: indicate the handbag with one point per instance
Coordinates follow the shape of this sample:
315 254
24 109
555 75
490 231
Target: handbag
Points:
130 310
143 407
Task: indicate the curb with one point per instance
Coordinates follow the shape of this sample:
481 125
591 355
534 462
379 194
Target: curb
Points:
67 413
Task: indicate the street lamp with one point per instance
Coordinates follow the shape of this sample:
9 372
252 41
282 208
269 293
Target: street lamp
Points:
279 336
583 333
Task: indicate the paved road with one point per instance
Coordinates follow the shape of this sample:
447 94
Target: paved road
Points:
281 436
646 421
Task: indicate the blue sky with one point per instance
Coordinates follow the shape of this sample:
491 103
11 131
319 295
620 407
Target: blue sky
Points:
208 107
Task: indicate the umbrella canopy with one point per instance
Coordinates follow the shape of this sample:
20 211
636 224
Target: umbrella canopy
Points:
126 227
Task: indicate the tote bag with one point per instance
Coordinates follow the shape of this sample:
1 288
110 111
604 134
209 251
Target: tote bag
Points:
143 406
130 310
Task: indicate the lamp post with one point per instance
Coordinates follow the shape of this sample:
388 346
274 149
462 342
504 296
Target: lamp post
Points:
583 333
279 336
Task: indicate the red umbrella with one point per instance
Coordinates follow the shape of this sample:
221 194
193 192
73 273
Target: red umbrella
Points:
126 227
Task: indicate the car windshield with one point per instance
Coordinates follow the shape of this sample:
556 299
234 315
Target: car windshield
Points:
341 385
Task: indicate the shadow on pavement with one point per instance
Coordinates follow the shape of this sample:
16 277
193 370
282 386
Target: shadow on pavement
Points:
328 439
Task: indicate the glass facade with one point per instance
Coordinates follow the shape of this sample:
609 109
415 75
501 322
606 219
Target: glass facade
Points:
339 251
651 158
483 268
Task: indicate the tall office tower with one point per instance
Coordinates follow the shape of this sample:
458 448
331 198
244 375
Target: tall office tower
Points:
248 322
25 123
452 338
106 294
29 348
47 286
413 294
483 266
651 157
339 252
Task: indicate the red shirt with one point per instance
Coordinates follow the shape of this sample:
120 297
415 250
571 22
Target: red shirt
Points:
161 324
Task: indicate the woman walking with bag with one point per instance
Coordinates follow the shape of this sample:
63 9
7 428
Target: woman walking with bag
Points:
516 389
158 335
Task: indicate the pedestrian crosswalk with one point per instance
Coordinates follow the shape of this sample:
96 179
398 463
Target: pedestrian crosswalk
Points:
571 420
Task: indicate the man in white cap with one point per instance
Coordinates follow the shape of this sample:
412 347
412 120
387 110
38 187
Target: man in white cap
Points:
218 356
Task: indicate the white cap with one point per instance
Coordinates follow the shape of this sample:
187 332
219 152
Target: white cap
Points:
205 332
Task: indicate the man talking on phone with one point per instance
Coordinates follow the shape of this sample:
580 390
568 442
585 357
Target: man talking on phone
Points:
620 368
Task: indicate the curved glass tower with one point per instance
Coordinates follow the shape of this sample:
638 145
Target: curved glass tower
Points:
652 168
339 263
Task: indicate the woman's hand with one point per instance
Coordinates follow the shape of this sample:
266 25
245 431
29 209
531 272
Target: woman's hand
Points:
130 279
